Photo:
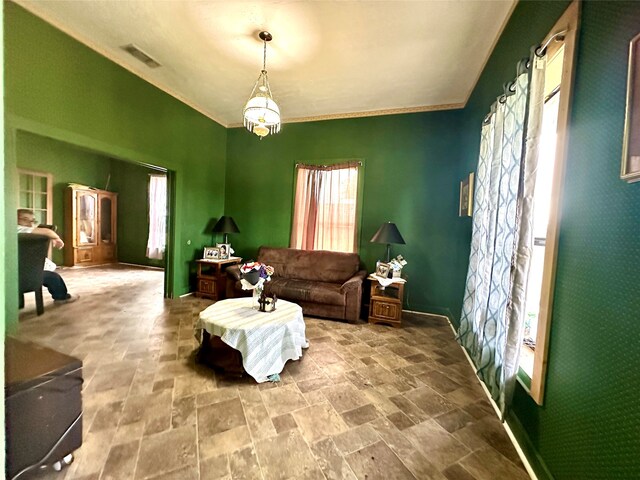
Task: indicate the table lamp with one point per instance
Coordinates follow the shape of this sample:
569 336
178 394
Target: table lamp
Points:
225 225
388 233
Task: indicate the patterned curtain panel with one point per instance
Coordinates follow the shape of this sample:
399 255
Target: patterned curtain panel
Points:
492 313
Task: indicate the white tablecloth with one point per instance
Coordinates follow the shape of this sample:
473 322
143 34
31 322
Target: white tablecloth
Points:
266 340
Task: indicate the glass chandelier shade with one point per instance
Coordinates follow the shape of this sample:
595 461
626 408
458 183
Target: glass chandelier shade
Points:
261 113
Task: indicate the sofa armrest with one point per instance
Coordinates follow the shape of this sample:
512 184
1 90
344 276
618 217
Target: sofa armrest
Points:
233 272
233 288
352 291
354 282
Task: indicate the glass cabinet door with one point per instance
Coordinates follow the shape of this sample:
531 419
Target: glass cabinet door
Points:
105 220
86 213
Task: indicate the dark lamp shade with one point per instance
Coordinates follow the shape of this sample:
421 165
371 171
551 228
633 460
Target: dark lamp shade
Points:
388 233
225 225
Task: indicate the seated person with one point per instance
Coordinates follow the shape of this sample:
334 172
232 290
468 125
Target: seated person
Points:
50 279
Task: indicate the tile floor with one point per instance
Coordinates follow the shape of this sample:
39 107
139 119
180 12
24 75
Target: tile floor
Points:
365 402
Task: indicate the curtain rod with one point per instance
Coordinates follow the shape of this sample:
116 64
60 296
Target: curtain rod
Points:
541 50
334 165
509 87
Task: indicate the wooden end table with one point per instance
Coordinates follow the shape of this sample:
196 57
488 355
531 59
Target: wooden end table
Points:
211 277
385 305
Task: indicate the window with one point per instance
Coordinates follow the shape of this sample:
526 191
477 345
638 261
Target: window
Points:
542 208
547 196
325 209
34 193
157 216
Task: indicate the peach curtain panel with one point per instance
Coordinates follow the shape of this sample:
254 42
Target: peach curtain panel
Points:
324 215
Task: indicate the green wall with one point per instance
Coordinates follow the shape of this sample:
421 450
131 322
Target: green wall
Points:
409 179
3 273
589 425
58 88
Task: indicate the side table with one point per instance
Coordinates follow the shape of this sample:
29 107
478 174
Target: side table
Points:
385 305
211 277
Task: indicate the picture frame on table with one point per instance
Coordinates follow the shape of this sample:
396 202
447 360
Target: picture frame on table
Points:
466 197
211 253
382 269
630 170
224 248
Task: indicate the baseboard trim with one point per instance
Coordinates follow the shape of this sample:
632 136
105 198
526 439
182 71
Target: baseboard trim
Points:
431 310
431 314
150 267
520 433
514 440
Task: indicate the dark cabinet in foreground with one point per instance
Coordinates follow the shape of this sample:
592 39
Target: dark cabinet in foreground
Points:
43 406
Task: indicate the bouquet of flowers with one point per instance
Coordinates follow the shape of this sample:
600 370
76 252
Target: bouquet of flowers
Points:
255 274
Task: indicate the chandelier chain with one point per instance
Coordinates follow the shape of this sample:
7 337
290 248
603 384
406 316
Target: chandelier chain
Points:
264 56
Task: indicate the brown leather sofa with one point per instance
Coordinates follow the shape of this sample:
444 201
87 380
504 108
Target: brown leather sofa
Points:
324 284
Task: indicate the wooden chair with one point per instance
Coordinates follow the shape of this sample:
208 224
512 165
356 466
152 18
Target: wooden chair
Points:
32 250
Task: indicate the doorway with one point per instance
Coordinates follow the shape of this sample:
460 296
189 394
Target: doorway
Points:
65 163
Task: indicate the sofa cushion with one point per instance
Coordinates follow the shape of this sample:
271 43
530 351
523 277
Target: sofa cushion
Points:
311 265
306 291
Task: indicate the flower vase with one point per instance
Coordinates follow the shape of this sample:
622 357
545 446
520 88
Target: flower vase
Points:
252 277
255 304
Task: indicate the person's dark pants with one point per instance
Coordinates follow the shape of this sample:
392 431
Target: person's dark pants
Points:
55 284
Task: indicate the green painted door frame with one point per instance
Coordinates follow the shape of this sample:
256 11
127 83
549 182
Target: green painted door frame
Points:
169 254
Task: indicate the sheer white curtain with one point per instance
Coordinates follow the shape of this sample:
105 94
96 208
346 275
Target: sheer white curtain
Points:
325 209
157 216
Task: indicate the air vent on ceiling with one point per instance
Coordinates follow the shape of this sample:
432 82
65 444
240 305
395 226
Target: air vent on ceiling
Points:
140 55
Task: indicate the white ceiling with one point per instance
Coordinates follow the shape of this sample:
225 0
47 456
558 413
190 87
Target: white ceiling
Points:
328 59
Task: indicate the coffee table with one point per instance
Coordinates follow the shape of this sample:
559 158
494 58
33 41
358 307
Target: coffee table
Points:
262 342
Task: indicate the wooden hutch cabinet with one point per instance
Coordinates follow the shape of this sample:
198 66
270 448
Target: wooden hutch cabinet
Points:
91 217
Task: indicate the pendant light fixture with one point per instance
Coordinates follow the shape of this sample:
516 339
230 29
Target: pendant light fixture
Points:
261 114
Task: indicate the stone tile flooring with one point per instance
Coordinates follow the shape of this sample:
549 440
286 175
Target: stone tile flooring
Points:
365 402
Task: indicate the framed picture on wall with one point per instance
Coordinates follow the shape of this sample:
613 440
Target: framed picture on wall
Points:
631 146
466 197
211 253
224 250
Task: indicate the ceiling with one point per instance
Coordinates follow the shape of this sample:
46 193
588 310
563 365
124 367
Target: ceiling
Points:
328 59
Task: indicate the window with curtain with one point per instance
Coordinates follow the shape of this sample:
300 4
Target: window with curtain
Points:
548 205
325 209
157 216
515 217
